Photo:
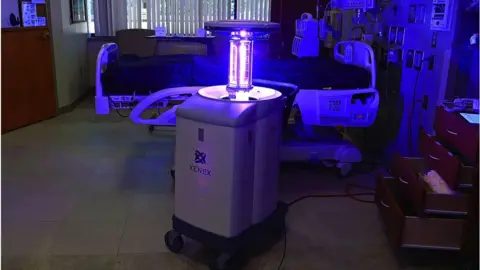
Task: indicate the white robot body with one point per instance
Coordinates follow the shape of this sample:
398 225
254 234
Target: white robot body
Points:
268 135
224 163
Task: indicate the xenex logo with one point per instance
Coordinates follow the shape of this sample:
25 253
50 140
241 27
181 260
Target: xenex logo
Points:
200 157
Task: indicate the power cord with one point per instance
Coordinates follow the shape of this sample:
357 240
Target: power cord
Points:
347 194
414 102
117 110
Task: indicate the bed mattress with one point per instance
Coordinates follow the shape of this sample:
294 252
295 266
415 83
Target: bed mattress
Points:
145 75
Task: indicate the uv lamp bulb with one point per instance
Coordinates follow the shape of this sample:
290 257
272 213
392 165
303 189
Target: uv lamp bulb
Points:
240 65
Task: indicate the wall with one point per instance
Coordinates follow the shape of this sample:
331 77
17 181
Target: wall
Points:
70 53
416 84
8 6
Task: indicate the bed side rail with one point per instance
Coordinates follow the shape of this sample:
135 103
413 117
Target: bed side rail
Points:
359 54
108 54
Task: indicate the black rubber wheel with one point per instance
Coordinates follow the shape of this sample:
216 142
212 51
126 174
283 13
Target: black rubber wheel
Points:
151 128
343 173
172 174
174 241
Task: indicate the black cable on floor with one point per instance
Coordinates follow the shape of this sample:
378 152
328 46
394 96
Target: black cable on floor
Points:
117 110
122 115
347 194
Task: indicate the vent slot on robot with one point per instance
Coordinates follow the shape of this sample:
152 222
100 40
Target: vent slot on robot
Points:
363 99
238 98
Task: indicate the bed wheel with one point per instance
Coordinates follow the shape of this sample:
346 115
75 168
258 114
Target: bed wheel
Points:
344 169
151 128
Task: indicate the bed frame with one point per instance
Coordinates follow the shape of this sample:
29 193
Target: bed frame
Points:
109 53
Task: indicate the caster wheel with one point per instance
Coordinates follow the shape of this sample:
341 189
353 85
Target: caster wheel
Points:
172 174
174 241
151 128
344 170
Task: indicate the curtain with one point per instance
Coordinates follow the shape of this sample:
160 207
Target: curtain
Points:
110 16
181 17
258 10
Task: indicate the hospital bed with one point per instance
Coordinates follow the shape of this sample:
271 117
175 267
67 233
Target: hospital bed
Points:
332 92
124 81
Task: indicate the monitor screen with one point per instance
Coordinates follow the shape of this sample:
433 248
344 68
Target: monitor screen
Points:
472 118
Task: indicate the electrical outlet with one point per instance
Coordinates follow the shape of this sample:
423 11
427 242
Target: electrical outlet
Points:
417 60
434 39
392 35
409 59
412 13
393 56
420 14
385 33
431 62
425 102
400 36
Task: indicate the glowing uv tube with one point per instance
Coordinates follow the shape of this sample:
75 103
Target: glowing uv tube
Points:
240 66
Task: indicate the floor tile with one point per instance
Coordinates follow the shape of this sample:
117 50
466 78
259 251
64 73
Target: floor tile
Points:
102 207
27 238
37 207
144 236
164 261
25 263
85 238
152 206
82 262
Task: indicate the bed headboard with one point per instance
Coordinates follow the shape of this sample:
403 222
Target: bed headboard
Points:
108 54
359 54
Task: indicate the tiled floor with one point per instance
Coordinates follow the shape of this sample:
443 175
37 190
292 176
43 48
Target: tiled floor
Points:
87 192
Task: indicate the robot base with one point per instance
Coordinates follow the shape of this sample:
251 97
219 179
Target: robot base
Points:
235 250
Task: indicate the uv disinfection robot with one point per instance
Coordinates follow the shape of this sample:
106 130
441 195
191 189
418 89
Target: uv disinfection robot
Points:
227 157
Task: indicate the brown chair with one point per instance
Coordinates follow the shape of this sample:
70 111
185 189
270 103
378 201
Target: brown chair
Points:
133 41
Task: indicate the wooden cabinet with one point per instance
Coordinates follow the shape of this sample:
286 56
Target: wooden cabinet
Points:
408 230
417 217
414 189
457 134
28 84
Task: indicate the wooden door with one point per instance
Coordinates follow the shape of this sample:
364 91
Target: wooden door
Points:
28 84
